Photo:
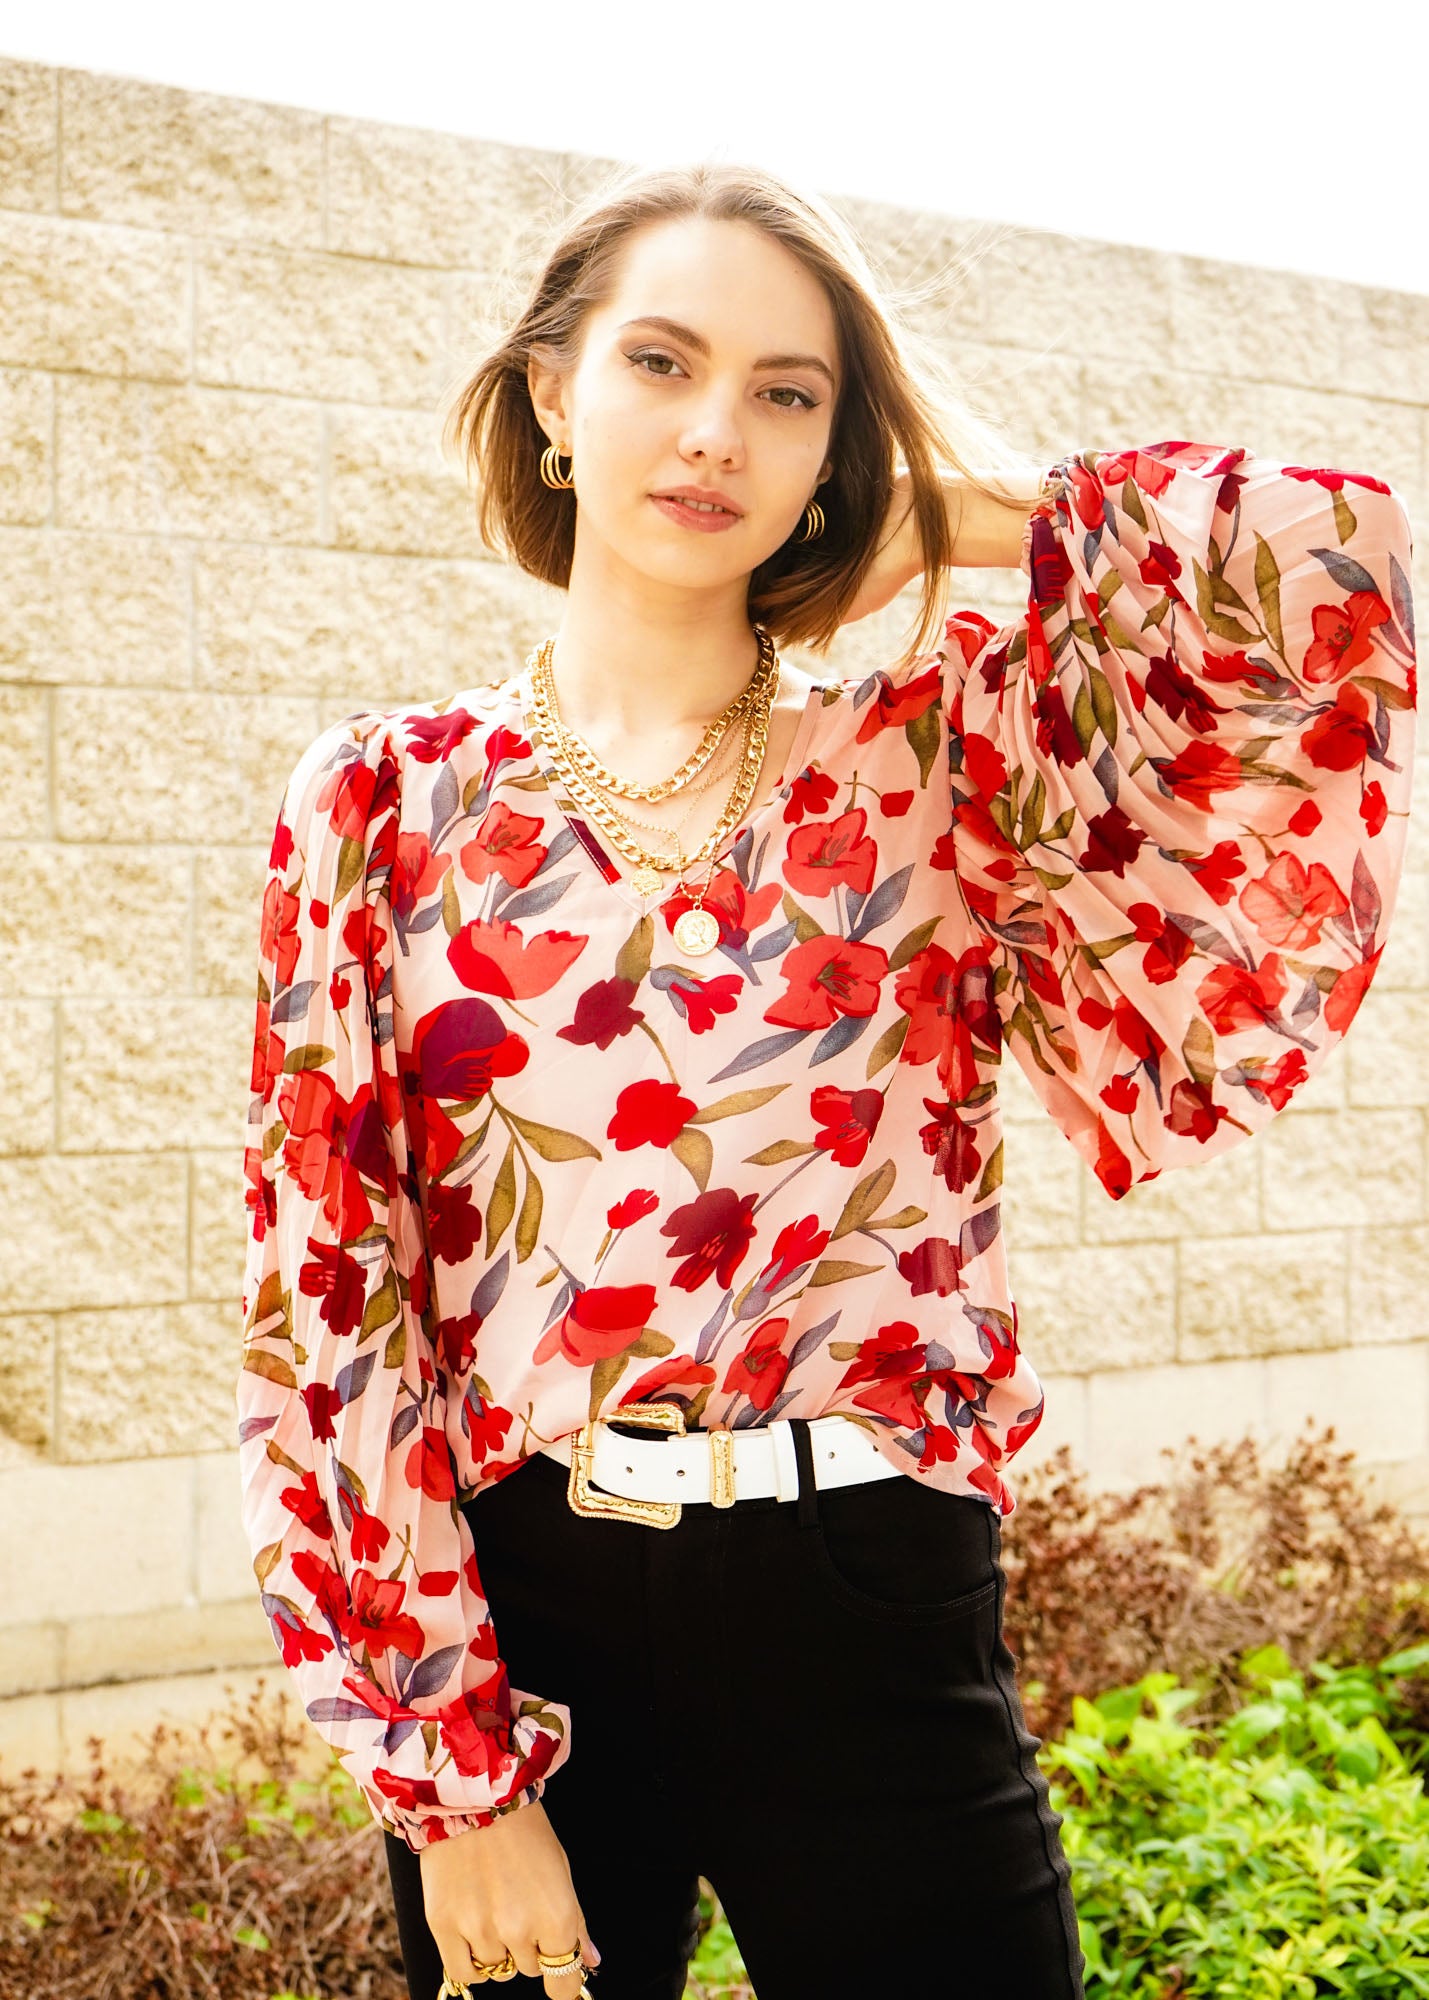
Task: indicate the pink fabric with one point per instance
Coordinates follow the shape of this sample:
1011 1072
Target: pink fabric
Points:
513 1160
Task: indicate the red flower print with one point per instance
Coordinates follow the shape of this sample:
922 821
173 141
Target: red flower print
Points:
431 739
649 1113
1167 945
759 1368
953 1145
1112 843
1234 998
703 1000
950 1007
496 958
1343 636
603 1011
602 1320
1374 808
461 1048
429 1466
639 1202
1348 990
1198 772
1120 1094
1333 479
1160 567
847 1121
797 1243
1115 467
453 1222
332 1146
476 1728
936 1265
378 1618
1056 732
1193 1110
1275 1082
506 843
1343 736
966 633
827 978
1289 904
984 765
307 1505
278 936
1305 818
712 1233
368 1535
416 873
829 852
810 791
737 912
349 796
893 704
323 1403
893 1360
331 1274
1173 689
409 1794
1216 871
893 805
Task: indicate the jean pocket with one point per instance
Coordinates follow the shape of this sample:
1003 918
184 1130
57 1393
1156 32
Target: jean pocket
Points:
903 1551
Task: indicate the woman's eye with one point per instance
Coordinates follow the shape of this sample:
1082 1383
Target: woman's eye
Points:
802 401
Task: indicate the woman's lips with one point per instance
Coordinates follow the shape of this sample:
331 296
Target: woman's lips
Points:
691 517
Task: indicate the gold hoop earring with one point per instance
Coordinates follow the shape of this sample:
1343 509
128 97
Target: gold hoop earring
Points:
813 521
550 469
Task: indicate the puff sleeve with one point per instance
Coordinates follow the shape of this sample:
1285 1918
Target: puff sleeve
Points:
363 1556
1181 787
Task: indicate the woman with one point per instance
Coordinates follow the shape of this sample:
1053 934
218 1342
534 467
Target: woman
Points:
627 1332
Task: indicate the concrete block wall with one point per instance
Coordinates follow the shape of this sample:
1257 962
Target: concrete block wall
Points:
226 330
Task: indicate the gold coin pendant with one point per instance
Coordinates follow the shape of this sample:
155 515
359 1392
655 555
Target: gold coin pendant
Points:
696 932
645 881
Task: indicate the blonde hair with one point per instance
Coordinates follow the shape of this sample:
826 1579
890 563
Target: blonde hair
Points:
898 406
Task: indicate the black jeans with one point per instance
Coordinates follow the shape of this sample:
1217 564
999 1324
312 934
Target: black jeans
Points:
807 1702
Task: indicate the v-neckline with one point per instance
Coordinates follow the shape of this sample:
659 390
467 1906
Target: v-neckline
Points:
593 843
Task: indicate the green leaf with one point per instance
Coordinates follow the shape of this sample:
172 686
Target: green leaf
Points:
502 1205
1267 591
866 1198
695 1153
551 1143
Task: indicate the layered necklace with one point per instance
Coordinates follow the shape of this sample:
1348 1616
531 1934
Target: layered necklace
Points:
594 786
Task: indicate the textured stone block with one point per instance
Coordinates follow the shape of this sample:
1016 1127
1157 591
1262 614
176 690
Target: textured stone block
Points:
110 301
1377 1398
174 767
1323 1169
225 1562
1262 1295
417 197
1041 1187
24 762
1207 1198
306 324
187 160
1137 1416
1387 1048
1406 952
228 898
27 1078
185 461
390 488
1389 1285
29 119
360 629
27 1382
30 1733
30 1662
124 1714
60 934
1083 1309
95 1541
120 1373
183 1639
93 1232
1261 325
219 1222
123 1088
109 608
1384 343
27 425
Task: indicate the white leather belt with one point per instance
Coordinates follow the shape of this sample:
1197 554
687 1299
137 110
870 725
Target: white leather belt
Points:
649 1479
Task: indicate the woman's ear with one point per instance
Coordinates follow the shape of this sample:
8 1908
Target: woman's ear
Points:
546 390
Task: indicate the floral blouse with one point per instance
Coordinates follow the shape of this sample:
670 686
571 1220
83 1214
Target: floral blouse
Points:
512 1160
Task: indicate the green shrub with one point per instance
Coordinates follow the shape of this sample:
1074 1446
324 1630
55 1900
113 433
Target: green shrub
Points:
1281 1854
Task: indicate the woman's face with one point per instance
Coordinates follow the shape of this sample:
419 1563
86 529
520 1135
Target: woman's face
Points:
739 400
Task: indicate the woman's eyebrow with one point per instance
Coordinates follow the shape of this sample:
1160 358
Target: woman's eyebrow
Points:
701 346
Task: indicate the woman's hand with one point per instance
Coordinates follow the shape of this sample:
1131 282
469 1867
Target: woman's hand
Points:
899 558
505 1887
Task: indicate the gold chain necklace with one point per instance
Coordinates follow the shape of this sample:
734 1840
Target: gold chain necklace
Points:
583 756
696 931
713 774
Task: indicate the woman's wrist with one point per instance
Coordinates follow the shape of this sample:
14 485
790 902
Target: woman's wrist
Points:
986 533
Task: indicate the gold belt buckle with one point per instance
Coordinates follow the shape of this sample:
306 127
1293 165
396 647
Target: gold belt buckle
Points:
585 1499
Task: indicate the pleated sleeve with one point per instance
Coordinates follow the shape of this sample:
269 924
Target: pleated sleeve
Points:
363 1557
1181 787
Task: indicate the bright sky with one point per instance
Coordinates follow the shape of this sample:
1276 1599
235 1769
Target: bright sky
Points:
1288 135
